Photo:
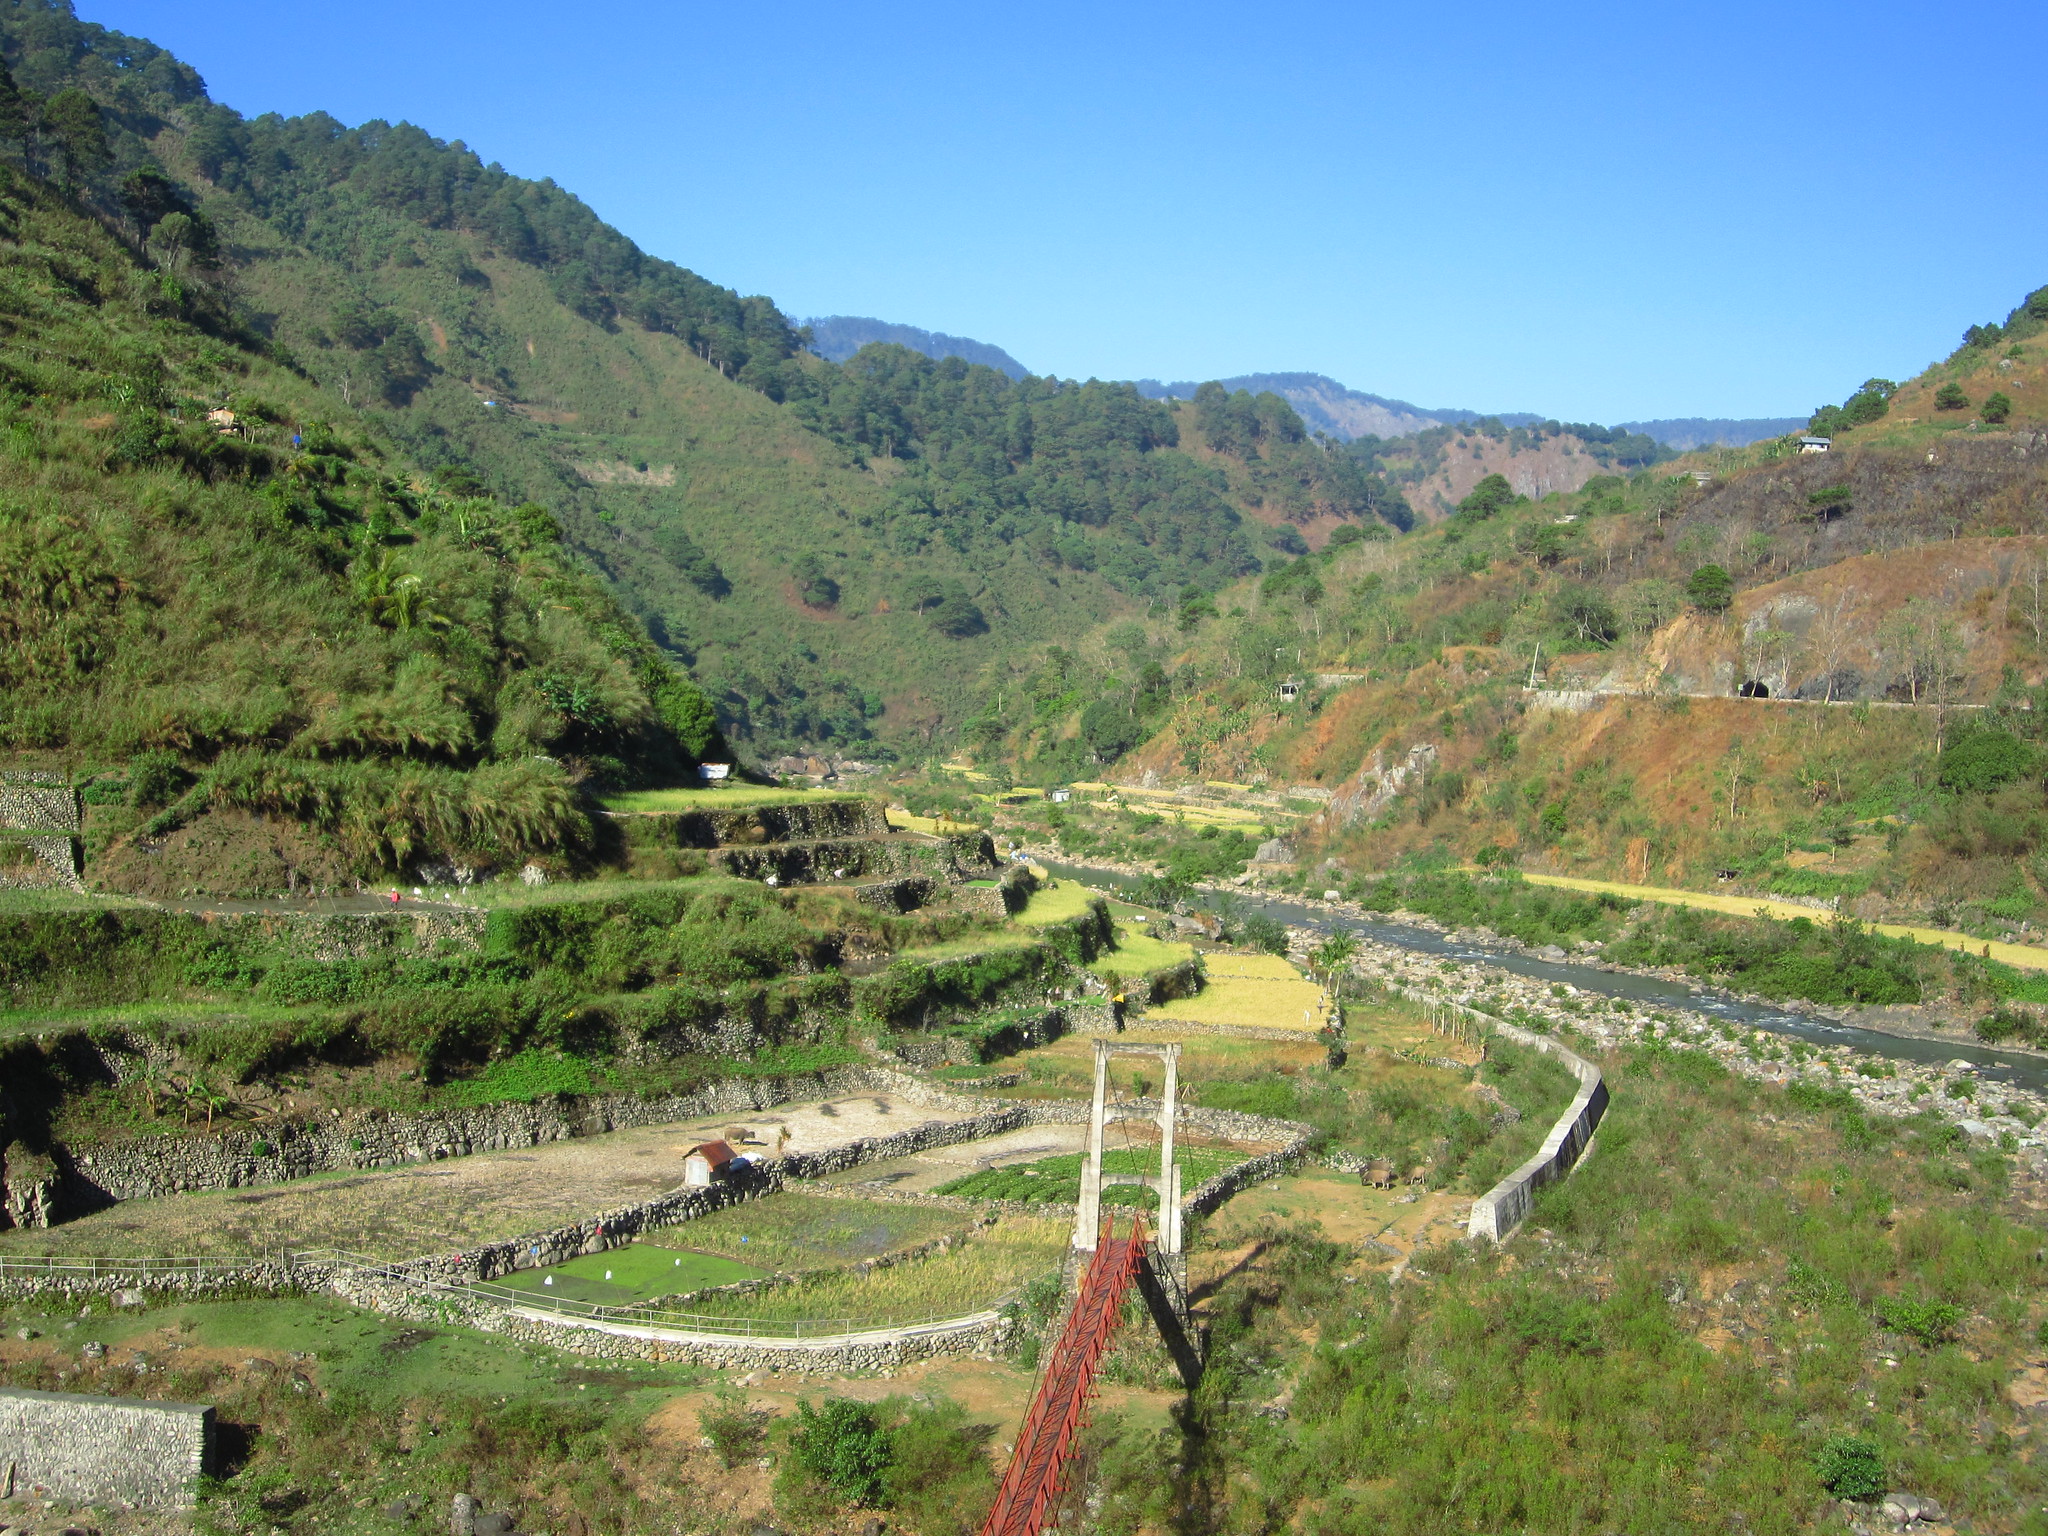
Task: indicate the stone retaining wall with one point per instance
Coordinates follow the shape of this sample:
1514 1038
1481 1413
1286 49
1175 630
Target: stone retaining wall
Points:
352 935
430 1289
822 863
906 894
38 861
981 1334
103 1449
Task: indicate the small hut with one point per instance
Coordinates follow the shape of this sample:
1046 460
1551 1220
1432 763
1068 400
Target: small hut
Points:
706 1164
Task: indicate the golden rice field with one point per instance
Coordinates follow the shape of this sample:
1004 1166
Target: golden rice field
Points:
1137 952
1252 991
723 797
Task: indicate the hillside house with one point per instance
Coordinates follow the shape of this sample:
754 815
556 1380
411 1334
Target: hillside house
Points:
1289 692
1815 444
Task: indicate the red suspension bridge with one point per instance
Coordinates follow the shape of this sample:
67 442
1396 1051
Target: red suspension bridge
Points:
1031 1487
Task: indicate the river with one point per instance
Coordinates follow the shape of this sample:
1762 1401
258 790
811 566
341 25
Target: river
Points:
1997 1066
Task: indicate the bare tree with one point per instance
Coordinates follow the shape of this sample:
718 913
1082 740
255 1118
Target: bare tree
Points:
1947 648
2034 597
1769 650
1900 639
1829 638
1933 648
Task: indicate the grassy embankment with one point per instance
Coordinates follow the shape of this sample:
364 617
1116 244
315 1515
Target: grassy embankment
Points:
570 992
1733 1278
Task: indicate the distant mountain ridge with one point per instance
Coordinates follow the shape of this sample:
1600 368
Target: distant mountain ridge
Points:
838 337
1689 432
1339 410
1322 403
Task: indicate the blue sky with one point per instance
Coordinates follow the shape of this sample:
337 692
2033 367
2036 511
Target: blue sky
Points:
1600 212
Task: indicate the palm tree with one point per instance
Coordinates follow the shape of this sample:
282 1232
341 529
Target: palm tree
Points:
1333 954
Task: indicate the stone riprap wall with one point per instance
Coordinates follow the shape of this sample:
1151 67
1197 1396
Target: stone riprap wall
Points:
853 816
985 898
104 1449
905 894
38 861
31 1186
37 801
441 1288
822 863
982 1334
1497 1213
130 1282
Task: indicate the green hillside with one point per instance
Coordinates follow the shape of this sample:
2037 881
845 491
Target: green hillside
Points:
839 553
267 609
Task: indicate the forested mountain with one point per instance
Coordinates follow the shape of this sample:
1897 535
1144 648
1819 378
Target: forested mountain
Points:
1664 609
835 551
838 337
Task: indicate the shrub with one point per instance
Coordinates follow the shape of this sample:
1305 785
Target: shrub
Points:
1851 1469
1710 589
734 1430
1998 408
1264 933
1543 1320
844 1447
938 1474
155 778
2009 1023
523 1078
1983 761
1950 397
1931 1322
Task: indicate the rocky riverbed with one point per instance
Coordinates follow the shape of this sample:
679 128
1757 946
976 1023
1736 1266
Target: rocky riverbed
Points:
1988 1113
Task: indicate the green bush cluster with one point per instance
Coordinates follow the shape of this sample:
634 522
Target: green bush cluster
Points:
1838 962
921 1459
1504 902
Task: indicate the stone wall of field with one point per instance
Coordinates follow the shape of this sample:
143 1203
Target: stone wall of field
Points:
438 1288
37 861
39 829
838 859
153 1166
66 1445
